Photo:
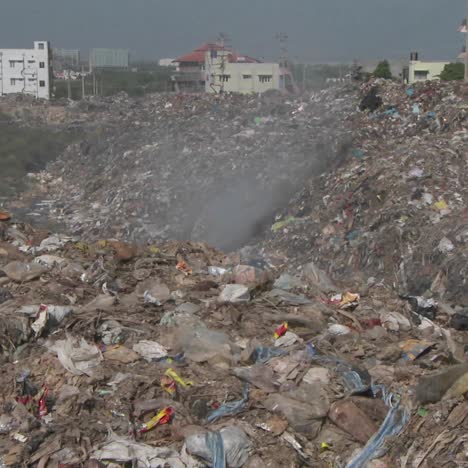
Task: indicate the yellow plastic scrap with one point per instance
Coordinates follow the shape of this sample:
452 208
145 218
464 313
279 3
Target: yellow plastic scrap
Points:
173 374
412 348
153 249
349 298
281 224
82 247
440 205
324 447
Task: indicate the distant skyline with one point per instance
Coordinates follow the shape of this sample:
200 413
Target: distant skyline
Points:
318 30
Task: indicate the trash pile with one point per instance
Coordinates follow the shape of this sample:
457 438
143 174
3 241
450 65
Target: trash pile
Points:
336 339
175 354
200 167
396 208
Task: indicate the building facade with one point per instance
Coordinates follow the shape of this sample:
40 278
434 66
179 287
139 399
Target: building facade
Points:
27 71
418 70
109 58
214 68
223 75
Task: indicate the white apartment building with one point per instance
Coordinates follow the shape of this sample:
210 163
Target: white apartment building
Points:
239 77
26 71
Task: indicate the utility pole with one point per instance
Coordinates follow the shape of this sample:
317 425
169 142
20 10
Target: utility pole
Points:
304 76
69 86
94 83
83 94
284 61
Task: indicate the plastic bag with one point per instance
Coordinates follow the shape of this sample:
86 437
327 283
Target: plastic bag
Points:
150 350
78 357
231 408
235 444
119 449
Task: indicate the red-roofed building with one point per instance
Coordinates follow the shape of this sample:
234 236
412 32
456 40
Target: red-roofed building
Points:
190 74
197 56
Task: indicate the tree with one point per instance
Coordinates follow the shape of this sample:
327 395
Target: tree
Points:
382 70
453 71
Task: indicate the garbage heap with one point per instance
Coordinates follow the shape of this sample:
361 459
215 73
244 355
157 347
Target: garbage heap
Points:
395 209
174 354
200 167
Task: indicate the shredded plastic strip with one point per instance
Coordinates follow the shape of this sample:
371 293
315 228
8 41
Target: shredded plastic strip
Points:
395 421
397 417
214 442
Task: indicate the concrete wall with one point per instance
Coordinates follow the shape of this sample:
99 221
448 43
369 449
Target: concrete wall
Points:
26 71
424 71
241 77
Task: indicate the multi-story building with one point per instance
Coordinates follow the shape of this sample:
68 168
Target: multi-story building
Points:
108 58
27 71
215 68
224 75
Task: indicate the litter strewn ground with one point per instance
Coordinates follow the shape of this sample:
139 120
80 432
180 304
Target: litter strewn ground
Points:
336 338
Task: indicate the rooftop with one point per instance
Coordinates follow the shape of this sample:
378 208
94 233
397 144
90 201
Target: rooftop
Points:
198 55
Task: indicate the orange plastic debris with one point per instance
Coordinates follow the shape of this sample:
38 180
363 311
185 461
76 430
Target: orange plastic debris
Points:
4 216
184 268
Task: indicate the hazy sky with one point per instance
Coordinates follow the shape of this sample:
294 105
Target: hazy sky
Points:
318 30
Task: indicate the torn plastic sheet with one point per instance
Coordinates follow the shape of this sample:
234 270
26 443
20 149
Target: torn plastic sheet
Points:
354 379
120 449
215 444
231 408
263 354
396 420
76 355
230 448
359 381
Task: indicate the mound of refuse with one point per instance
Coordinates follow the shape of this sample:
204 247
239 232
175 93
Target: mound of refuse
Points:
174 354
211 168
337 337
395 209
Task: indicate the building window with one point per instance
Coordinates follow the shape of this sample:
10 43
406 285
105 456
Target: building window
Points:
12 64
42 84
41 65
13 81
421 75
214 54
31 61
265 78
41 46
247 77
224 78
